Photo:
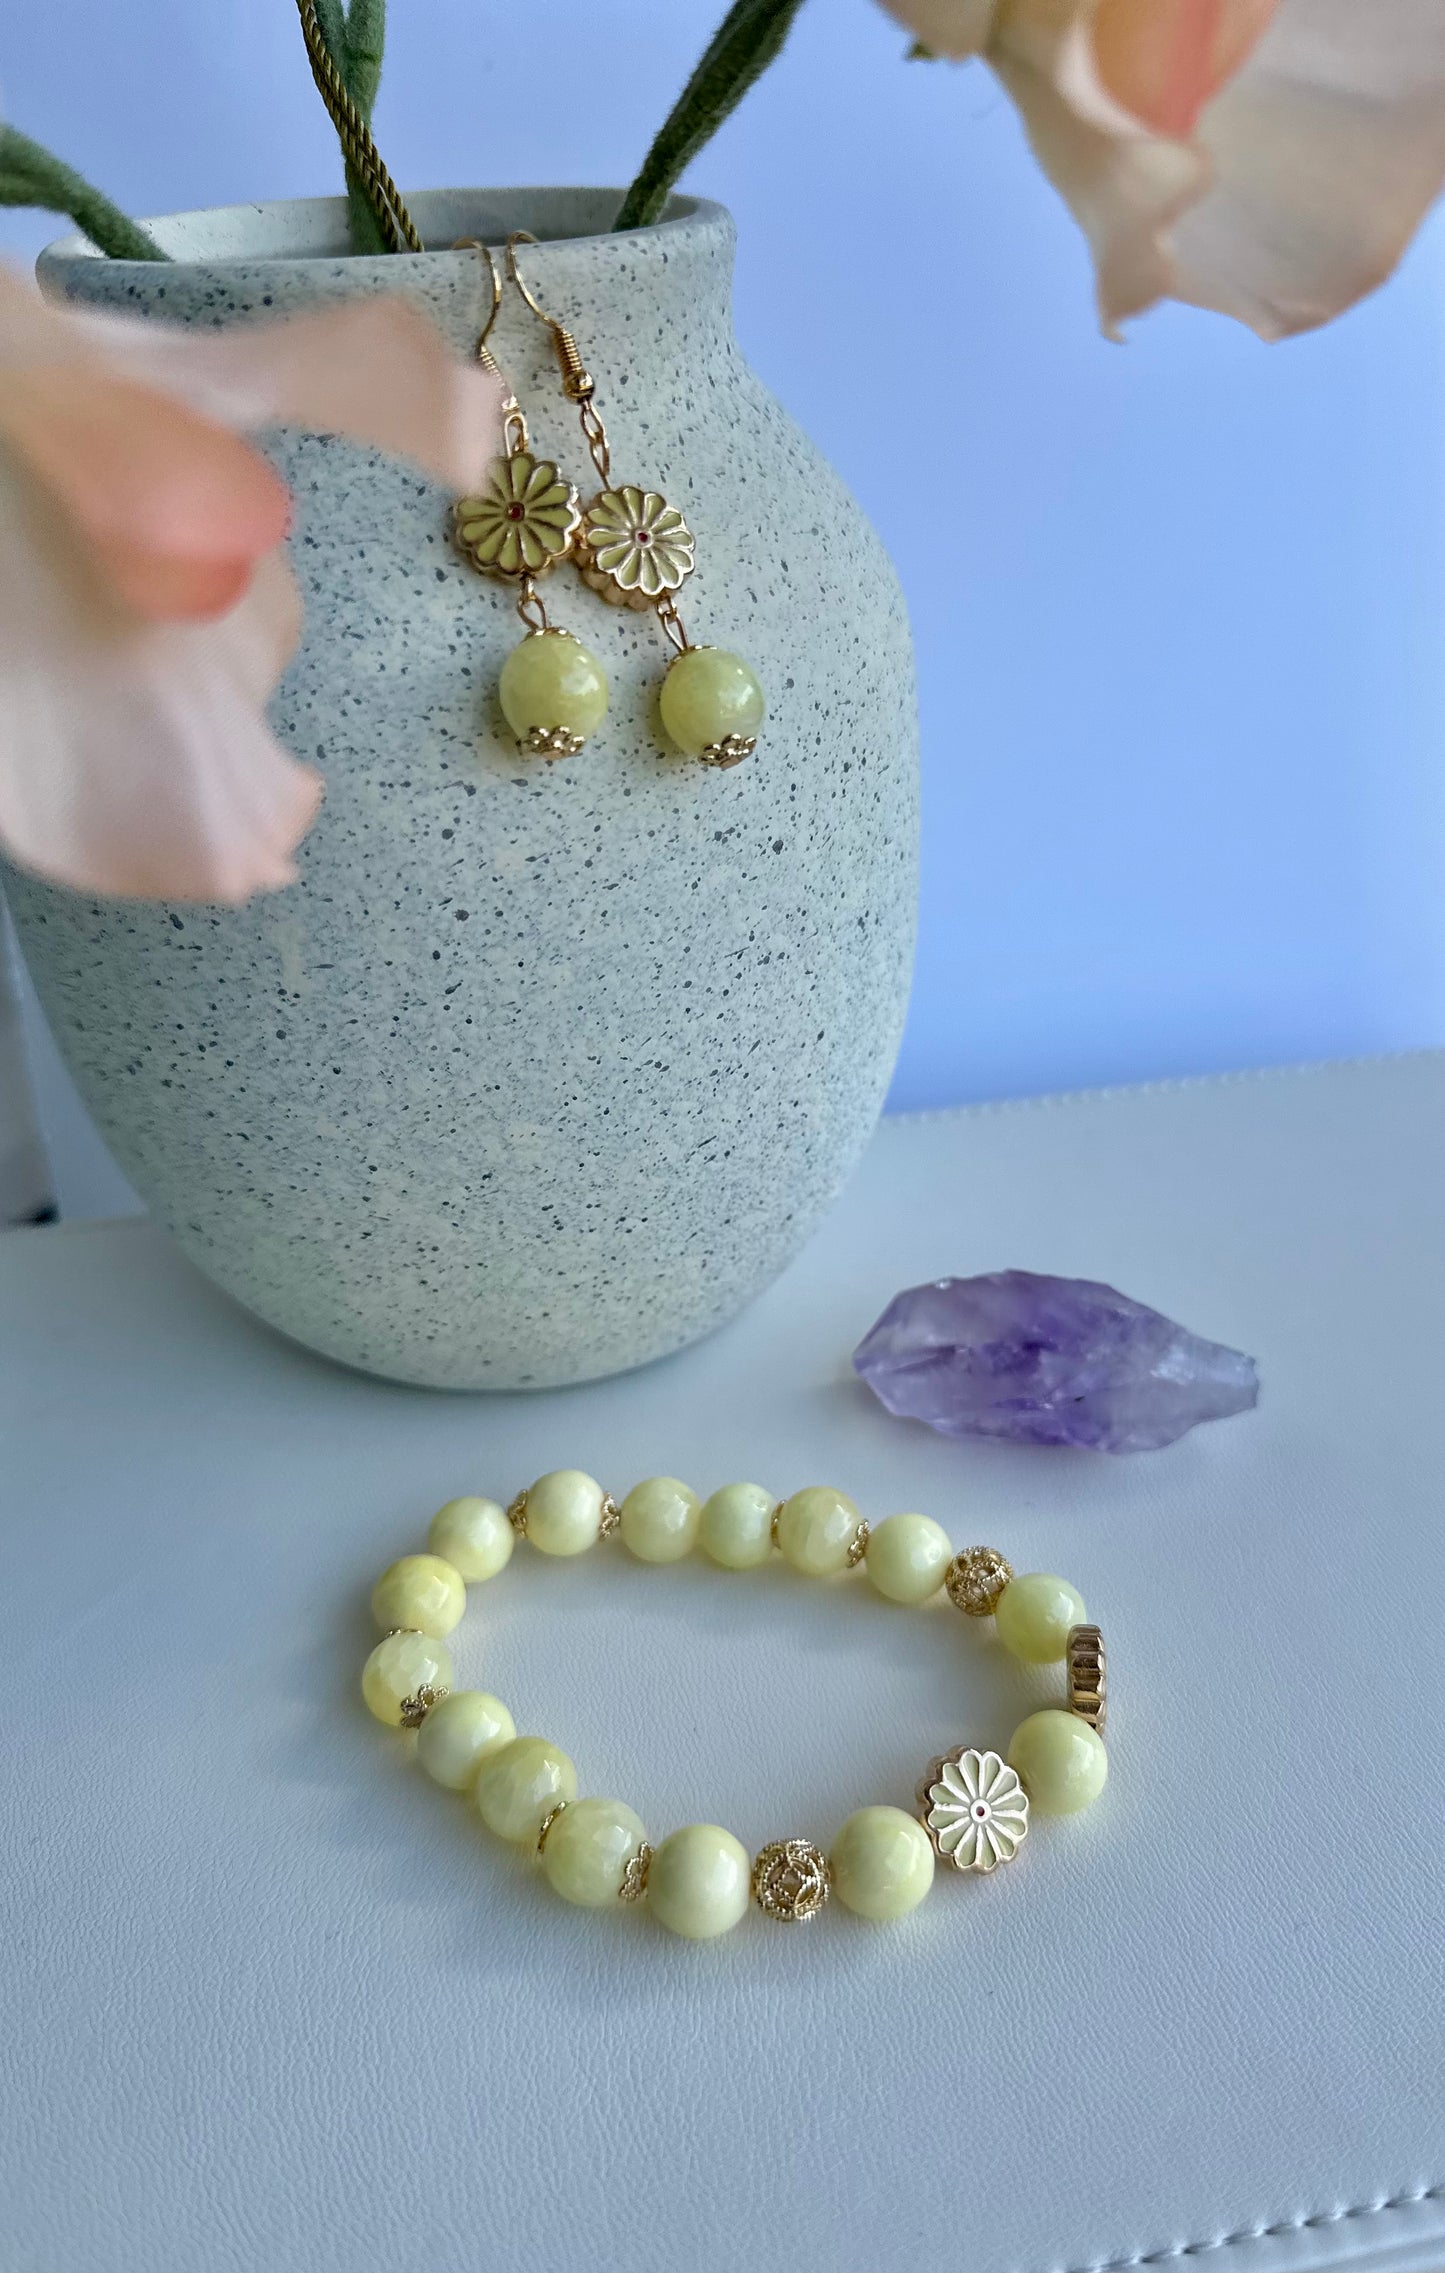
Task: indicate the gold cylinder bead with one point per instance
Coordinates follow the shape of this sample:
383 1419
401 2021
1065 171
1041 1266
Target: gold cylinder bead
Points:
1088 1675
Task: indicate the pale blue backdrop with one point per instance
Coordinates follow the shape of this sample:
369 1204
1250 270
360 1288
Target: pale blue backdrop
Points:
1178 604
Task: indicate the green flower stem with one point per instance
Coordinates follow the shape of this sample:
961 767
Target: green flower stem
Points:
29 175
749 38
355 37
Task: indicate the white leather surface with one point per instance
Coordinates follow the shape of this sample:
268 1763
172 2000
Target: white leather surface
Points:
271 2001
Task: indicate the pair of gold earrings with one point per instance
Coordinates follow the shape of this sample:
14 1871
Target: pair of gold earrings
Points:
628 544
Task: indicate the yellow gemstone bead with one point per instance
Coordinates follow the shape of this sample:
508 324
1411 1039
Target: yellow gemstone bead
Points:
401 1667
708 695
550 684
588 1850
699 1882
736 1528
1033 1616
882 1863
563 1512
1059 1760
660 1519
420 1591
474 1536
518 1786
459 1733
907 1557
816 1529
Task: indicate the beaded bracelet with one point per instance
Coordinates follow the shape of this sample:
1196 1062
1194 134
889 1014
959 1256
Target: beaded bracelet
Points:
972 1807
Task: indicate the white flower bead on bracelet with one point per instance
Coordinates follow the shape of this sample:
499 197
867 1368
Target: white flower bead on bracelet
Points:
973 1805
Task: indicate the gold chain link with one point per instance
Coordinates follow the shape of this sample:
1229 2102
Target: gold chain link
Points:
530 607
671 623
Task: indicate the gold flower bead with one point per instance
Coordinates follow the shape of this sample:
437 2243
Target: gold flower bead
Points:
634 547
974 1809
522 521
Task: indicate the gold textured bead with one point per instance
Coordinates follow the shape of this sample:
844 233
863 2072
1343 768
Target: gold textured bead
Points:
1088 1676
634 1878
975 1579
791 1880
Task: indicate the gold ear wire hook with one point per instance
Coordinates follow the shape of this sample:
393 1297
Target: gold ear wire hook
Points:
576 378
514 425
481 351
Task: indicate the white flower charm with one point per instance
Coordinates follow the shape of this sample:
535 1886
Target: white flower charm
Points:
974 1809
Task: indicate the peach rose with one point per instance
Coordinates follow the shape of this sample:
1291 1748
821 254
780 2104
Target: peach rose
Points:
1267 158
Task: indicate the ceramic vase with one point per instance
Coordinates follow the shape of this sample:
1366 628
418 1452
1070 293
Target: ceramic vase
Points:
542 1069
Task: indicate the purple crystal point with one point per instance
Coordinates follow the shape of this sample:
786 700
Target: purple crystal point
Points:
1031 1359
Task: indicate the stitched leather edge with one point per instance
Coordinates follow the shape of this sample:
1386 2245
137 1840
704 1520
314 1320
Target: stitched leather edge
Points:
1320 2218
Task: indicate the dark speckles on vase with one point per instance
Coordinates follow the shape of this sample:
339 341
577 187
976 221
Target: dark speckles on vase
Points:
539 1071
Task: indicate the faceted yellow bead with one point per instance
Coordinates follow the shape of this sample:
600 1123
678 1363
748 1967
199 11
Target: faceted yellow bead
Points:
474 1536
1033 1616
588 1850
699 1882
420 1591
518 1786
882 1863
457 1735
907 1557
1059 1760
401 1667
708 695
736 1529
660 1519
552 681
563 1512
816 1528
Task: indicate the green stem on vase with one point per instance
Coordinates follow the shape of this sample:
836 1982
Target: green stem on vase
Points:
355 39
31 175
749 38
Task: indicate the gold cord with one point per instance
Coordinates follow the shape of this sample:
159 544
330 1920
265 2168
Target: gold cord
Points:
362 155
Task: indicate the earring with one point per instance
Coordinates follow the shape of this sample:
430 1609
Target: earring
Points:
636 550
518 526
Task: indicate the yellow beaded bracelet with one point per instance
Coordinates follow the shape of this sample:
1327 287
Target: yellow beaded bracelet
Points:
972 1807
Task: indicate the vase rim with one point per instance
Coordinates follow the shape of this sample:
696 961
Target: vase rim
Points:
279 228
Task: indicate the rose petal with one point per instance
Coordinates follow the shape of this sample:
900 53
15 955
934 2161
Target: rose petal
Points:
135 759
376 371
947 27
1328 150
174 509
1161 60
1126 189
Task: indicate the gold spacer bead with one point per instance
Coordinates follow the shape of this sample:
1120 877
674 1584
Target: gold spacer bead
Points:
773 1526
791 1880
975 1579
517 1515
859 1547
414 1710
730 751
552 742
1088 1673
547 1822
609 1519
634 1878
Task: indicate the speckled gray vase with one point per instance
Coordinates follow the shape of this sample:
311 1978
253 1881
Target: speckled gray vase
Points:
541 1070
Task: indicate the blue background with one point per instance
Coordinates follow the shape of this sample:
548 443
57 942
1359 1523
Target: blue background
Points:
1178 604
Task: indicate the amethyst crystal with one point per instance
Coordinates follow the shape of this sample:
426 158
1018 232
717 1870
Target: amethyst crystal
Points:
1039 1360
